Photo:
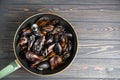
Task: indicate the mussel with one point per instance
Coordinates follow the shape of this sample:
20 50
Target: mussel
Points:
31 41
50 48
58 29
63 42
66 55
53 22
26 31
39 43
69 35
43 65
42 21
48 28
55 61
69 46
58 49
36 63
32 56
49 39
34 27
51 54
44 52
22 41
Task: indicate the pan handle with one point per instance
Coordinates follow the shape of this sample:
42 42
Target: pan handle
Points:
13 66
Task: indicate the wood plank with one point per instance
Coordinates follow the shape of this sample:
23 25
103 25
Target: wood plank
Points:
94 30
98 49
67 7
80 68
64 79
85 30
109 13
101 15
60 2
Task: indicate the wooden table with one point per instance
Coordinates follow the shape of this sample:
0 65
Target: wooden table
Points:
97 23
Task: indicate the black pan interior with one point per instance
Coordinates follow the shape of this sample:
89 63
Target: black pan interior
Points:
21 56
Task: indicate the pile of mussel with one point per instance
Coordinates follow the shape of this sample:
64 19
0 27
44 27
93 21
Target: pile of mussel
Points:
46 43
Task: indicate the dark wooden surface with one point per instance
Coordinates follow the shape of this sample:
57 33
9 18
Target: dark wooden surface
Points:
97 23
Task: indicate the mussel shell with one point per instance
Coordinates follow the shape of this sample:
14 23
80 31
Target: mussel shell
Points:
66 55
32 56
50 47
24 47
48 28
44 53
56 38
53 22
42 21
23 40
69 35
58 29
43 65
49 38
69 46
63 39
43 18
35 64
31 41
34 27
38 45
58 49
51 54
55 61
26 31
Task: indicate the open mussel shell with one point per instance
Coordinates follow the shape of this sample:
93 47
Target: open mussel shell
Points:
26 31
48 28
42 21
32 56
55 61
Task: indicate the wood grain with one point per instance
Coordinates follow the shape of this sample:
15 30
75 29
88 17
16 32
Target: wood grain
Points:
100 15
97 23
80 68
85 30
89 13
14 2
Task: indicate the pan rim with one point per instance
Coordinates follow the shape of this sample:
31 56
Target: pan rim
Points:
15 47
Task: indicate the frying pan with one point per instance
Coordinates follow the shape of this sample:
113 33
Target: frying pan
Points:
21 62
